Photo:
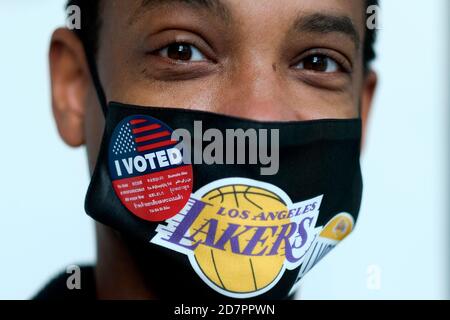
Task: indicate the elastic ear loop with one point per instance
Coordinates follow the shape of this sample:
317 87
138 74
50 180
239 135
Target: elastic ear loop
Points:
92 65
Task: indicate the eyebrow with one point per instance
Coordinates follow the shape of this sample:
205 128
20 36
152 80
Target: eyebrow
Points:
217 7
324 23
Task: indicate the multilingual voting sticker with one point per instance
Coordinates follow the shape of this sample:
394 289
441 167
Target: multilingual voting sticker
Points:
147 171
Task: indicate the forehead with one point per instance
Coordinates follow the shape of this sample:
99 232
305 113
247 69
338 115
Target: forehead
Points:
274 12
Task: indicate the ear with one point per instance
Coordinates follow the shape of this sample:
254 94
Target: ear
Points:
368 92
69 84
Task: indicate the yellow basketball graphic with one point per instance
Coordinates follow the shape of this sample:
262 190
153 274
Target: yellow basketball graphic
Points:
240 208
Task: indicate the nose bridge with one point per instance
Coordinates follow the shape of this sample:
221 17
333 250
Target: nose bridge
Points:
255 89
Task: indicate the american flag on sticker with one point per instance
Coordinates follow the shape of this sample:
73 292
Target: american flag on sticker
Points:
141 135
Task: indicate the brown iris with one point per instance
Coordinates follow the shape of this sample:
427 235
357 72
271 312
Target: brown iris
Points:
316 63
179 51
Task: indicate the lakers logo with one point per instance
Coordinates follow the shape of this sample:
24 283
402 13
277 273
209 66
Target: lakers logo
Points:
241 235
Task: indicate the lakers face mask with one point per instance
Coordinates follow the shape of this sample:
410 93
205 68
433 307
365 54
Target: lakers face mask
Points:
218 231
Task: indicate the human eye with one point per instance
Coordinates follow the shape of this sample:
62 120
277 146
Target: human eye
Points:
181 52
319 63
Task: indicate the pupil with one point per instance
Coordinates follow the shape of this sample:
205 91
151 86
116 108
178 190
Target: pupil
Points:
178 51
317 63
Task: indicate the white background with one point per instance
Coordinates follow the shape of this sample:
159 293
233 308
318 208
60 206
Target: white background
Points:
403 224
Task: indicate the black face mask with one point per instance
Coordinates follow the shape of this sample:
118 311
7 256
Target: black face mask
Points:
224 230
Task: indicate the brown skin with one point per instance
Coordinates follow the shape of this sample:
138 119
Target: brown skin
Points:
249 65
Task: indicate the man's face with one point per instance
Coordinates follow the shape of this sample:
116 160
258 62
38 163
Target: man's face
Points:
248 58
265 60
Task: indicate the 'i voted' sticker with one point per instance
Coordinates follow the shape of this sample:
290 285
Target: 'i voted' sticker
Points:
148 173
